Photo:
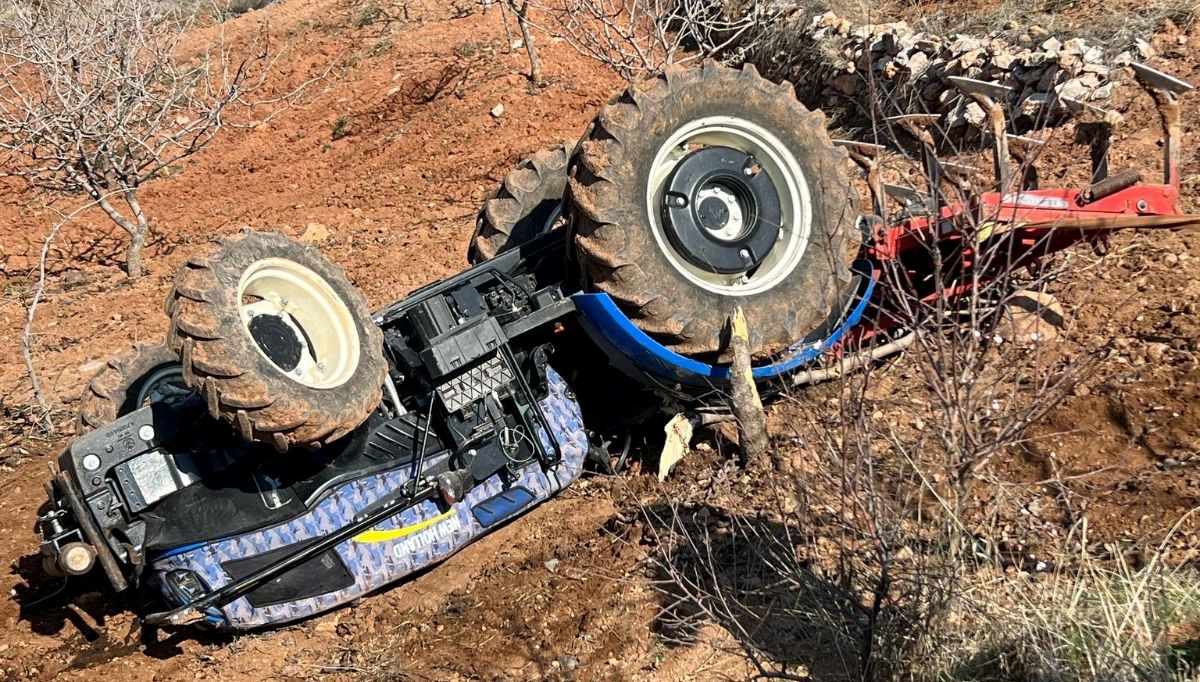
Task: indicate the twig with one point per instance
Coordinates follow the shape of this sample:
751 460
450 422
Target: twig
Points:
27 333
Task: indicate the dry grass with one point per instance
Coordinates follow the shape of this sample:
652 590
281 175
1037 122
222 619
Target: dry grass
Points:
1090 620
1114 25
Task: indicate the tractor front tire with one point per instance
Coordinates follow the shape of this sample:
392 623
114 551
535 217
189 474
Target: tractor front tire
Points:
276 340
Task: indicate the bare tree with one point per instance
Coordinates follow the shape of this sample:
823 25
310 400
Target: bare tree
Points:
100 97
635 37
521 9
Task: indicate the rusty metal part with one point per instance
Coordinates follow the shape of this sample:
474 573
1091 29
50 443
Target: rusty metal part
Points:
918 126
1141 222
909 198
1098 125
991 96
1025 150
1109 186
961 175
864 154
1166 90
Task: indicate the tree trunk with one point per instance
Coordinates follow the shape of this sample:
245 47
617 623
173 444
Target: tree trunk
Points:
137 238
136 231
535 69
508 39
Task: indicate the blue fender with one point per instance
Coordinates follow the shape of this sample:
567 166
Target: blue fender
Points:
629 348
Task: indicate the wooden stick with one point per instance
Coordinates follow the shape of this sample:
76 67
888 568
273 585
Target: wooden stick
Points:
745 402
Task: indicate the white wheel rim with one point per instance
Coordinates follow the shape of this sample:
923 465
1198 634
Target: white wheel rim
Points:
307 305
781 167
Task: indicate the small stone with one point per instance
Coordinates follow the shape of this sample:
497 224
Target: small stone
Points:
1076 88
974 114
1105 91
846 84
1157 351
1143 49
1075 46
498 110
567 662
1032 105
552 565
918 63
314 232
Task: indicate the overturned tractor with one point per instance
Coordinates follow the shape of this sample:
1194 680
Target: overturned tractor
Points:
284 450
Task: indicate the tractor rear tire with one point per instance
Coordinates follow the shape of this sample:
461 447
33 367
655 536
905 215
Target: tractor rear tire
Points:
527 204
276 340
627 235
127 382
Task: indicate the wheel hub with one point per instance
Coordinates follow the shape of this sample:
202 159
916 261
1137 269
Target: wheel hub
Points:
278 340
298 322
720 211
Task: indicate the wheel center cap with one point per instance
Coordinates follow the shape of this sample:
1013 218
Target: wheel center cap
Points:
278 340
721 211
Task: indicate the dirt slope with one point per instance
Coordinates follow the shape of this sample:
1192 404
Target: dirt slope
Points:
557 594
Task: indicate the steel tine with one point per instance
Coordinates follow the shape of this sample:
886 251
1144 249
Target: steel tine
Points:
1024 150
908 197
961 175
1100 124
918 126
1167 90
992 97
864 154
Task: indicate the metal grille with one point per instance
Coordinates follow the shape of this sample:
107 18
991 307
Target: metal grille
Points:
490 375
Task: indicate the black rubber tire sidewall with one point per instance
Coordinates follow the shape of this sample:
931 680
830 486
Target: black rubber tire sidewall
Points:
615 243
521 209
113 391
